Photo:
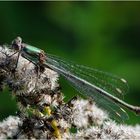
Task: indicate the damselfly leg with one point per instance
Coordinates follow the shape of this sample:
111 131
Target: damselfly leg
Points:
17 46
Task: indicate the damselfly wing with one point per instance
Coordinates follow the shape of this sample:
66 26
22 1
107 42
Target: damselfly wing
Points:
105 89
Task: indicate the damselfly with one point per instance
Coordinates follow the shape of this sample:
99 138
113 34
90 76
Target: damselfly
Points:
104 88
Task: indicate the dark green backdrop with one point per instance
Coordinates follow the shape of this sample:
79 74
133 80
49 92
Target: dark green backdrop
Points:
103 35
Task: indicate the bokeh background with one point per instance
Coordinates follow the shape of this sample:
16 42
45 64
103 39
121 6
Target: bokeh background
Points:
103 35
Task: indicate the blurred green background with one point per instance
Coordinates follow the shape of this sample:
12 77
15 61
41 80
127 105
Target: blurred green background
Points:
103 35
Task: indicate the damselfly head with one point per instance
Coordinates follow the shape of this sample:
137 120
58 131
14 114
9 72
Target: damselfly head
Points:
16 43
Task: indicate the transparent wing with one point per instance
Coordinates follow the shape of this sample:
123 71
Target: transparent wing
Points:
114 85
104 81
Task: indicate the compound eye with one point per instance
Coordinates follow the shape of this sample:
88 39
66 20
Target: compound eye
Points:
18 40
16 43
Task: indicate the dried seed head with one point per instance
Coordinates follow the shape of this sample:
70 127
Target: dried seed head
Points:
45 115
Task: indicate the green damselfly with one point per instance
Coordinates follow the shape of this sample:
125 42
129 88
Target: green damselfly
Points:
104 88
